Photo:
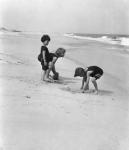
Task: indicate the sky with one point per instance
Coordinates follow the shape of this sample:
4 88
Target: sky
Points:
83 16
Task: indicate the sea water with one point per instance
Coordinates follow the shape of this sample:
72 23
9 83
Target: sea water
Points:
116 39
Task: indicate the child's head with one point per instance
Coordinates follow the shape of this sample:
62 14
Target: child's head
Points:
45 39
79 72
60 52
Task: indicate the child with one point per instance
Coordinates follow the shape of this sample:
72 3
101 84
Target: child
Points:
93 72
44 57
60 52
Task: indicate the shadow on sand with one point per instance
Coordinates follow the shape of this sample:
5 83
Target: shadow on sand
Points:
74 91
66 80
105 92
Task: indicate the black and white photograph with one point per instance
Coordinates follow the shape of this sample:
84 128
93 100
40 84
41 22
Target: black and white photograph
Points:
64 74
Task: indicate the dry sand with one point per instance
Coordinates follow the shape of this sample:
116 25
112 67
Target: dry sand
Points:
39 116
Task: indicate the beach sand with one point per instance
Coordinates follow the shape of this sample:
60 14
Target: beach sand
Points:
56 116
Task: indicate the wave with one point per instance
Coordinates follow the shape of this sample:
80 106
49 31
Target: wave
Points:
125 41
110 39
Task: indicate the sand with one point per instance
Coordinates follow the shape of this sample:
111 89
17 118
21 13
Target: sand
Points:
56 116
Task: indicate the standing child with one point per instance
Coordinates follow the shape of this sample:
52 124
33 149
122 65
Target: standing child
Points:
44 57
93 72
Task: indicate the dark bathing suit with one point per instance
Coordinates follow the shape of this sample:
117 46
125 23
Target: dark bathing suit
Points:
44 48
48 57
97 72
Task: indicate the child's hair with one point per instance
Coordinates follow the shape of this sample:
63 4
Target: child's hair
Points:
79 72
60 52
45 38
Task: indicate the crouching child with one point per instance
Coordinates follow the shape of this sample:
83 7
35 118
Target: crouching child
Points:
91 72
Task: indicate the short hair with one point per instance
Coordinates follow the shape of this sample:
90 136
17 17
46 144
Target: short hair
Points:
79 72
60 52
45 38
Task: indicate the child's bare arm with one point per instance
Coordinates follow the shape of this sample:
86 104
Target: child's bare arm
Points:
45 62
53 69
54 60
53 65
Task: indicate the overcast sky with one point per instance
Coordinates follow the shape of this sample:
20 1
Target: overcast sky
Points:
86 16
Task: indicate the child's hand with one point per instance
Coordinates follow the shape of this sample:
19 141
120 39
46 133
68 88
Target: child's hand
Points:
57 73
56 76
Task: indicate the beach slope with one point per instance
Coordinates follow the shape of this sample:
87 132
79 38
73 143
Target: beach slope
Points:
57 116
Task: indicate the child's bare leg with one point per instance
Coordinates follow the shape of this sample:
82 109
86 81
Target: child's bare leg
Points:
47 77
86 87
48 72
43 73
95 85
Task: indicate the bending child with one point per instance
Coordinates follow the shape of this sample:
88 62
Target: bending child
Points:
93 72
60 52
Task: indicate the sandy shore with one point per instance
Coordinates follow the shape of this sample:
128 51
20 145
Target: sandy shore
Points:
38 116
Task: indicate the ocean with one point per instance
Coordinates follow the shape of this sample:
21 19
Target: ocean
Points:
116 39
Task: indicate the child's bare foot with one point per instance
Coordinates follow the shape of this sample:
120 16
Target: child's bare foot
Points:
50 77
42 80
48 80
85 91
96 92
